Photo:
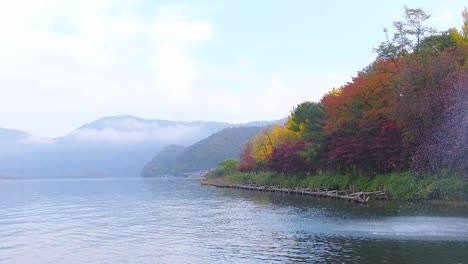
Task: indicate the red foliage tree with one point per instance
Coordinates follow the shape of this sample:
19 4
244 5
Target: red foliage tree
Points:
287 158
446 146
423 94
374 148
360 133
247 161
369 97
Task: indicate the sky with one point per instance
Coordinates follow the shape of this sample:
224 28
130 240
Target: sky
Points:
66 63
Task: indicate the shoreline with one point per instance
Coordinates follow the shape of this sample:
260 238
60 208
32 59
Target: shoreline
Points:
398 187
345 195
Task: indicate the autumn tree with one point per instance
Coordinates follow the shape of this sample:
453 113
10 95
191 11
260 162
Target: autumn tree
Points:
445 146
288 158
464 31
420 96
368 97
247 161
264 142
361 134
374 148
461 37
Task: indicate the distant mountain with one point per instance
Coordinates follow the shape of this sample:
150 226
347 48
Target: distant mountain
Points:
14 145
164 162
203 155
127 129
12 135
116 146
265 123
10 142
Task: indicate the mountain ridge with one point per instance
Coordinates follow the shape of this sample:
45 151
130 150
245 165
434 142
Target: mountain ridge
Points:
113 146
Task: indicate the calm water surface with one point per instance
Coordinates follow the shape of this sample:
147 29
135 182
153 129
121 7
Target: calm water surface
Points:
179 221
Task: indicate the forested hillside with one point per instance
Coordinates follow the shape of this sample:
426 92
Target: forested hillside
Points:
164 162
203 155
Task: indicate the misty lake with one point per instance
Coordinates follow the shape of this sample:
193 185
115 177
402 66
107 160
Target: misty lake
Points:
179 221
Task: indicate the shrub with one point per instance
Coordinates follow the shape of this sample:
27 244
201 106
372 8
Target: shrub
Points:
227 167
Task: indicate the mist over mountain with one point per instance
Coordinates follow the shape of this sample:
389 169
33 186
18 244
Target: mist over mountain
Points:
117 146
133 130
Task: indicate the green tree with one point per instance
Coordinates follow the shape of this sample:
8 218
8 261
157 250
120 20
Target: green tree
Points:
227 167
437 43
409 33
307 119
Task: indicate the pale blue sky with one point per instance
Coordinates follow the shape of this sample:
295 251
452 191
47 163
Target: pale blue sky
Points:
65 63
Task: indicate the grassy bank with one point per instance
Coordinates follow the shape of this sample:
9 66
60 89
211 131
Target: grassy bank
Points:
401 186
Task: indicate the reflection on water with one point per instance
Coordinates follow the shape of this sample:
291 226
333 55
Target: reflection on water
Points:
177 220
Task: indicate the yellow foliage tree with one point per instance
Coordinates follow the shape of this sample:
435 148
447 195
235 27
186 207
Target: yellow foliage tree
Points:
461 37
264 142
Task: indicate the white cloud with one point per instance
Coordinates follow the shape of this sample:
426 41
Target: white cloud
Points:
101 61
129 130
103 58
179 134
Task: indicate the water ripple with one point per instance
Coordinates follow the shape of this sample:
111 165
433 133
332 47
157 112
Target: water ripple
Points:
179 221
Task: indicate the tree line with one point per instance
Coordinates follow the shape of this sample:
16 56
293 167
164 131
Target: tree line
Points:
408 110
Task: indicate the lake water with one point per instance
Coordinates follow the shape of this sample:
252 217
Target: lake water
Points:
179 221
